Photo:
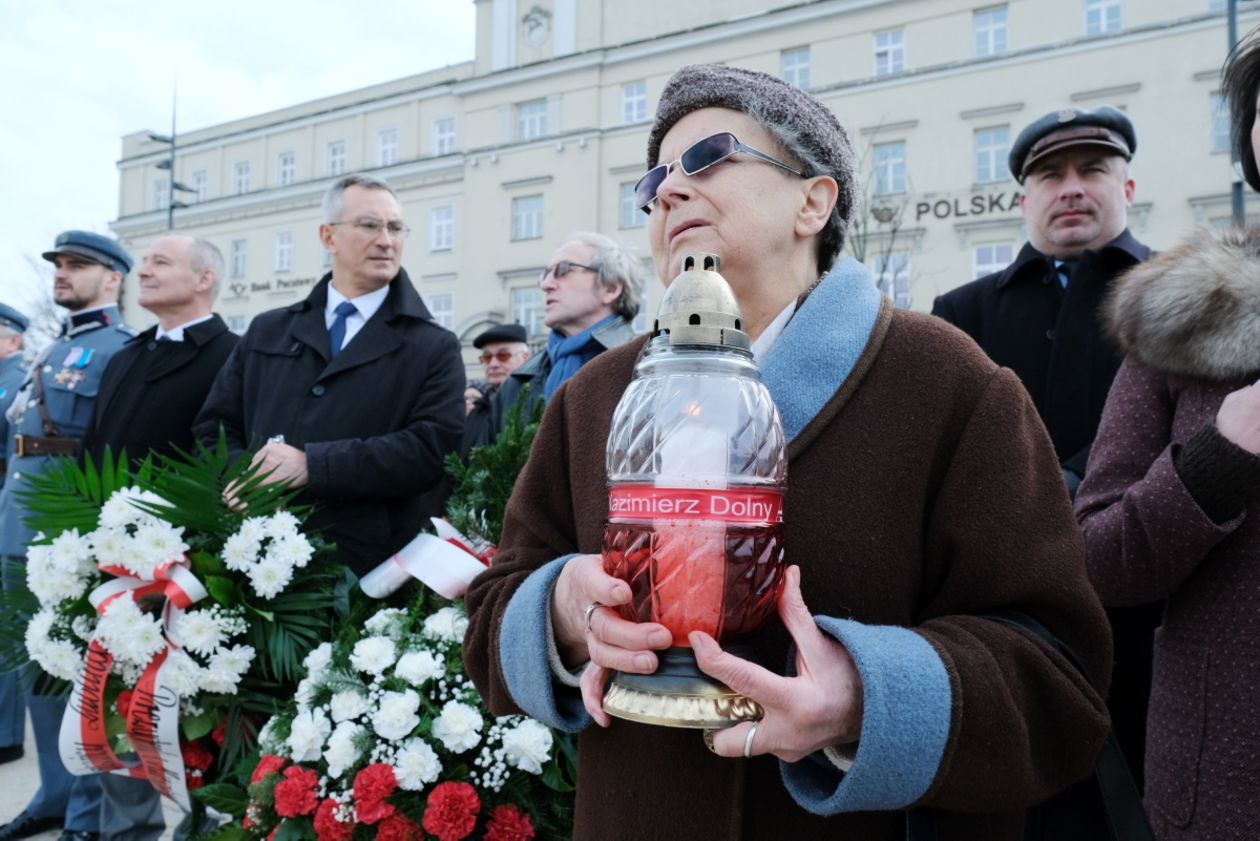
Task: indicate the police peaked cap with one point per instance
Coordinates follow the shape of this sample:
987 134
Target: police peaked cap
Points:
1103 126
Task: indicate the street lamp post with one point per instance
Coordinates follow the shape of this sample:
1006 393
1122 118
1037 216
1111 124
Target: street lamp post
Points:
169 166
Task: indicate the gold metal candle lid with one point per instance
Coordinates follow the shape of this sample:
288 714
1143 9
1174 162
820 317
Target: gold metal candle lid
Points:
699 307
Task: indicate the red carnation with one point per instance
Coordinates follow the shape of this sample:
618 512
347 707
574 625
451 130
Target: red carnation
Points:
451 811
196 756
269 764
371 786
124 703
194 781
219 733
327 827
397 828
295 794
508 823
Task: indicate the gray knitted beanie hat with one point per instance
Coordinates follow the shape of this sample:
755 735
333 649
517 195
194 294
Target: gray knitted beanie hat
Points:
799 122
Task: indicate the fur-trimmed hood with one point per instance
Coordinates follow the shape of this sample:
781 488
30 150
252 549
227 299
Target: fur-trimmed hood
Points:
1194 310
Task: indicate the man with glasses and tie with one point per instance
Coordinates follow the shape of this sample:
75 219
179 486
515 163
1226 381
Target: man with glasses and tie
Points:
591 293
1040 317
355 394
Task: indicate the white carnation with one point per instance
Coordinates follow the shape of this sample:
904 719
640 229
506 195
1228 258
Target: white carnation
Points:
449 623
387 622
528 745
342 749
347 704
395 715
269 576
373 655
307 734
416 667
416 765
318 658
458 728
267 740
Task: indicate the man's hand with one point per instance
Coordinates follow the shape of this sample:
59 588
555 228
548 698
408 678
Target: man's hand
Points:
281 463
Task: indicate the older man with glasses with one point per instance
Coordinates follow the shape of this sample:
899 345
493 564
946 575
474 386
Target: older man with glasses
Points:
503 350
354 395
591 293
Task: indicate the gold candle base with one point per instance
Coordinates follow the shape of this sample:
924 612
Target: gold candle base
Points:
678 694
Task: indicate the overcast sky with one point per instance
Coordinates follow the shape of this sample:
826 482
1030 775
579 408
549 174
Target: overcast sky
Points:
79 74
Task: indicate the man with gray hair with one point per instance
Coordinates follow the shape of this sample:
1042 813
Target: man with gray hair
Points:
591 292
354 395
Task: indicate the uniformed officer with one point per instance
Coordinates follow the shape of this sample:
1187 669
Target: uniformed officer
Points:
47 420
12 373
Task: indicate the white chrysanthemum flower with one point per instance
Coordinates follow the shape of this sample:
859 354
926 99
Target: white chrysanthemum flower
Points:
269 577
182 674
342 749
118 511
60 659
219 681
449 623
387 622
111 546
373 655
416 667
240 553
282 524
294 550
141 644
318 658
307 734
154 544
198 631
458 727
69 550
40 627
347 704
395 716
528 745
235 659
254 529
416 765
121 618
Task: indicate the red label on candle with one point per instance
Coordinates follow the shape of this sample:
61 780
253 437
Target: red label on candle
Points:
732 505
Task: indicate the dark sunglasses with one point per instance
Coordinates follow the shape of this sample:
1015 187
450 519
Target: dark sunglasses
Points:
698 157
563 267
503 355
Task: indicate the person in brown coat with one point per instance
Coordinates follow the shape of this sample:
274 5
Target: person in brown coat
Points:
1170 504
923 493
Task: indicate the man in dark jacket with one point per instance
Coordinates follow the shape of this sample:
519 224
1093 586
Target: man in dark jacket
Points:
149 395
503 350
355 394
591 294
1040 317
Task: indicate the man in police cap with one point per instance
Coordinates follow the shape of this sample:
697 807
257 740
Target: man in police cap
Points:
503 350
12 374
47 420
1040 317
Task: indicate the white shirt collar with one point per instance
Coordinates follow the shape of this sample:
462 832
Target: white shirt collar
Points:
772 332
176 334
367 304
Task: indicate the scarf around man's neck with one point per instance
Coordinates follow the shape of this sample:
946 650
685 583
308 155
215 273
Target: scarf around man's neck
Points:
568 354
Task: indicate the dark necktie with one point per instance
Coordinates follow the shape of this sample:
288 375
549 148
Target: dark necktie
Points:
1064 271
337 332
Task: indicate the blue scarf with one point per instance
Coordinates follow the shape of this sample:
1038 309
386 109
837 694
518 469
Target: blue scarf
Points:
568 354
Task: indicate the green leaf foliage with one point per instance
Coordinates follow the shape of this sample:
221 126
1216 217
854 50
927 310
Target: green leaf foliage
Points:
225 797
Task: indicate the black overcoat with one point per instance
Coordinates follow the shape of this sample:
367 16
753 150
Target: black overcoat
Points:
151 391
375 423
1052 338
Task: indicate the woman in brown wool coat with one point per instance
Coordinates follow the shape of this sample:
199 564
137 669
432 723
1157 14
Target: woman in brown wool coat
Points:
1170 505
923 493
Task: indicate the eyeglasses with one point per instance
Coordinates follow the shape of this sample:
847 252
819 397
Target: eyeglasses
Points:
373 226
698 157
503 355
562 268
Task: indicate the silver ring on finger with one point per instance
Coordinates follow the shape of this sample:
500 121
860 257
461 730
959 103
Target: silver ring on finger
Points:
586 615
748 740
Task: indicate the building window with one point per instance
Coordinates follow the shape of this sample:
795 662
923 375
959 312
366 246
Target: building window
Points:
795 65
993 145
1102 16
989 26
240 177
890 52
200 185
987 259
890 168
237 324
236 257
282 251
442 307
1220 124
444 136
286 169
527 217
531 119
634 102
161 192
442 228
527 309
631 215
891 273
335 157
387 147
